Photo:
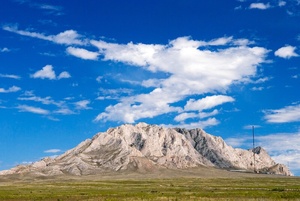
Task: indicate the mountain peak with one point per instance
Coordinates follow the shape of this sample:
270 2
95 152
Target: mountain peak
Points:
144 147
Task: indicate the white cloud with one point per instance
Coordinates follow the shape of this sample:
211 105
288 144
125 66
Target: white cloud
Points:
10 76
82 105
257 88
219 41
286 52
52 151
135 54
63 75
207 102
147 106
68 37
63 108
10 89
47 72
183 116
36 110
99 79
82 53
200 124
191 68
64 111
236 142
251 126
29 96
187 115
152 83
261 80
260 6
51 9
279 142
283 115
203 115
238 7
114 94
281 3
5 49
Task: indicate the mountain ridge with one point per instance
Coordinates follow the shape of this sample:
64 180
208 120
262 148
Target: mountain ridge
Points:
146 148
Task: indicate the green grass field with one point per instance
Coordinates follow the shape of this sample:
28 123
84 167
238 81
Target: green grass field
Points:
266 188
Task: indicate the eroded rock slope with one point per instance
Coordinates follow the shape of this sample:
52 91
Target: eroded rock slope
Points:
144 147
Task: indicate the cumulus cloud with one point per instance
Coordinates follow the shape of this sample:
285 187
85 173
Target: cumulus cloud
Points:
260 6
68 37
192 67
286 52
47 72
283 115
206 103
36 110
10 89
82 53
63 75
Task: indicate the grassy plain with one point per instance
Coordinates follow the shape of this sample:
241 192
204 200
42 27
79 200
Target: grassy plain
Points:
232 186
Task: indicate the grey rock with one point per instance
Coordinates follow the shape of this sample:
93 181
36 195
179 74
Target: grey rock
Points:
144 147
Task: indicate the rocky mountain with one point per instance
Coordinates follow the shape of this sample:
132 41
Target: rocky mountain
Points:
144 148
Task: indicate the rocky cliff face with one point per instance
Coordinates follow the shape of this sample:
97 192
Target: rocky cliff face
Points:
146 147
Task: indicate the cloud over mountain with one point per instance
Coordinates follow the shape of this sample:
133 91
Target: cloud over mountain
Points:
194 68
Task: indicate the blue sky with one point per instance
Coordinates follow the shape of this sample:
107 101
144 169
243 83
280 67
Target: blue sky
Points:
70 69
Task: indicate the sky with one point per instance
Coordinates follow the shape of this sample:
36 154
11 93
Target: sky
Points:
71 69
